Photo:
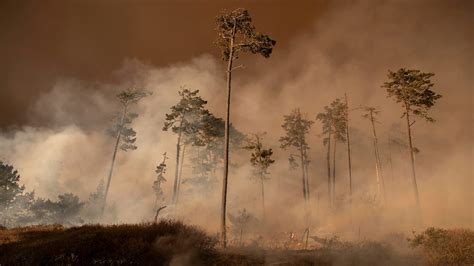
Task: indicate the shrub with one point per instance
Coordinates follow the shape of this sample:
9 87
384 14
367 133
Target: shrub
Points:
143 244
445 247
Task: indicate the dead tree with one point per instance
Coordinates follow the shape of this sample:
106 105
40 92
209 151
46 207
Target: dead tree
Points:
370 114
158 212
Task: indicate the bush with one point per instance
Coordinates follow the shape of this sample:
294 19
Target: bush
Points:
173 243
445 247
143 244
364 253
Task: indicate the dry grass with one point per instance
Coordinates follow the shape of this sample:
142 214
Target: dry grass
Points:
155 244
173 243
15 234
446 247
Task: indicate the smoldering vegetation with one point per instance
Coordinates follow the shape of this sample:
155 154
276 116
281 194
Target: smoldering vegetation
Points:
150 244
173 243
295 120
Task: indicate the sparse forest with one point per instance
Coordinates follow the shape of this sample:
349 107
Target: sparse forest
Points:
351 170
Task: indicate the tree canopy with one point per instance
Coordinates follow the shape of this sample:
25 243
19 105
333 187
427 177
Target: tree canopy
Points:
260 157
186 117
333 120
412 88
296 127
236 33
10 188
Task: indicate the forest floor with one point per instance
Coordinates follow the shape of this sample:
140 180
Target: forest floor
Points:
173 243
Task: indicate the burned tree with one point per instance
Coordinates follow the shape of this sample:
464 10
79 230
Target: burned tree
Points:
296 128
370 113
184 120
261 160
412 88
236 35
124 135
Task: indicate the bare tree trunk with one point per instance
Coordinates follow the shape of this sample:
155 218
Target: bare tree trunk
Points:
306 185
377 175
158 212
176 171
241 233
328 158
226 140
263 197
303 174
117 141
306 174
415 187
180 174
348 148
390 159
382 179
334 173
305 235
318 203
279 184
378 164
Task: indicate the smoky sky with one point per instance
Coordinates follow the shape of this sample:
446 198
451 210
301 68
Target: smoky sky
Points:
43 41
64 60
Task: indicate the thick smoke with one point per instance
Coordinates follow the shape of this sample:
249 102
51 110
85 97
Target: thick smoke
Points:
349 51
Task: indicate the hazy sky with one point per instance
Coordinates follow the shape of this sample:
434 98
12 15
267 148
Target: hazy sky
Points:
62 62
41 41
